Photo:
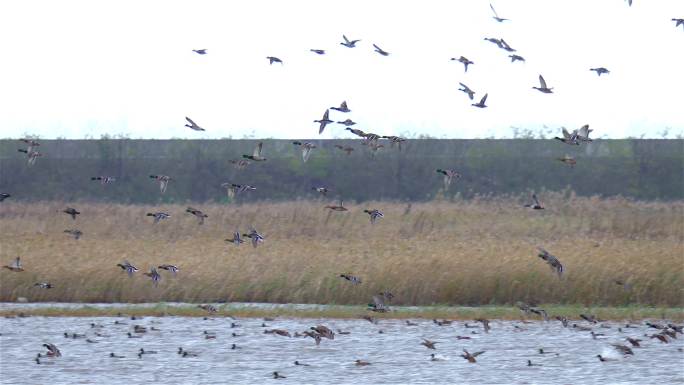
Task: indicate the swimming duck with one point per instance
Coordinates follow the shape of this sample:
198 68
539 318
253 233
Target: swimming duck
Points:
112 355
409 323
209 336
351 278
429 344
569 160
239 164
349 43
318 51
159 216
193 125
156 277
529 363
43 285
15 266
236 240
347 122
104 179
4 196
189 354
143 351
339 207
481 103
535 205
324 122
463 60
198 214
297 363
256 156
342 108
255 237
604 359
542 86
76 233
53 351
467 90
234 189
133 336
448 176
361 363
380 50
347 149
600 70
163 181
277 375
589 318
551 260
374 215
442 322
130 269
273 59
200 51
71 211
172 268
324 331
307 147
515 58
496 16
470 357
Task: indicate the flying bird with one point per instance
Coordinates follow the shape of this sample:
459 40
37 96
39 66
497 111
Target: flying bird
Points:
351 278
318 51
347 122
380 50
193 125
236 240
678 22
76 233
104 179
307 147
324 122
496 16
515 58
322 190
463 60
535 205
32 155
71 211
200 51
256 156
255 237
569 160
234 189
481 103
467 90
553 262
600 70
163 181
583 133
128 268
470 357
374 215
273 59
172 268
339 207
15 265
349 43
156 277
505 46
342 108
43 285
198 214
4 196
543 88
158 216
448 176
569 138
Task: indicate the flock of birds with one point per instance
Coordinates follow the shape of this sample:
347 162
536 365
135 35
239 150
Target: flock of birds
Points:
380 302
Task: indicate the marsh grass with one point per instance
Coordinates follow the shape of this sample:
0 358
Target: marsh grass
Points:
475 252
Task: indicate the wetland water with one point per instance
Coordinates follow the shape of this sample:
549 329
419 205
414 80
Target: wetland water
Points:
396 355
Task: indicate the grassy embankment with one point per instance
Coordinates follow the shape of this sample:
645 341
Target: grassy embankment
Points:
478 252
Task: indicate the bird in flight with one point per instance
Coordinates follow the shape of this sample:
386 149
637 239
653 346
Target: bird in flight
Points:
600 70
535 205
71 211
200 51
273 59
318 51
543 87
481 103
4 196
448 176
467 90
158 216
156 277
163 181
326 120
342 108
307 147
463 60
193 125
678 22
553 262
496 16
256 156
349 43
515 58
198 214
380 50
128 268
374 215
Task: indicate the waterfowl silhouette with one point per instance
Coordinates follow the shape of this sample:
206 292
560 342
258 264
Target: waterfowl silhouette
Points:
351 278
543 87
316 337
374 215
255 237
529 363
515 58
589 318
236 240
485 324
324 331
198 214
429 344
4 196
448 176
158 216
318 51
339 207
126 266
171 268
200 51
582 134
481 103
470 357
163 181
409 323
307 147
104 179
467 90
75 233
32 155
678 22
600 70
342 108
53 351
378 304
256 156
495 41
347 122
380 50
434 357
569 160
604 359
15 266
535 205
43 285
297 363
398 140
193 125
625 350
233 189
505 46
553 262
273 59
463 60
349 43
356 132
112 355
71 211
325 121
361 363
277 375
634 342
346 149
496 16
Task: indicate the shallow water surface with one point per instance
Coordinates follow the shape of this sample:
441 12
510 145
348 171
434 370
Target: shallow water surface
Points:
396 355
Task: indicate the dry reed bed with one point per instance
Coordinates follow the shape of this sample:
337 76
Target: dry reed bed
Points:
473 252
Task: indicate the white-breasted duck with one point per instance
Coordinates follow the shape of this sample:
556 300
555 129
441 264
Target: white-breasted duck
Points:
375 214
128 268
159 216
234 189
256 155
307 147
163 181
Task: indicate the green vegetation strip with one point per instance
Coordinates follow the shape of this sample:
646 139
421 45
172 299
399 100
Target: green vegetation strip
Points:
571 312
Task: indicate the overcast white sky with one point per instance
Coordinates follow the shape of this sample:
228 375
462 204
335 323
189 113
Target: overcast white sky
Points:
80 69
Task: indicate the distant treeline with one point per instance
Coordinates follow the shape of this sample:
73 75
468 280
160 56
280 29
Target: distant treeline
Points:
638 168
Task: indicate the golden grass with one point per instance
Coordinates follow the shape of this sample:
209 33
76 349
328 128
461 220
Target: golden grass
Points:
458 252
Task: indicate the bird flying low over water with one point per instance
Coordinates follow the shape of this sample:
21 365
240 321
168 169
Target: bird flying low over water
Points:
163 181
600 70
342 108
496 16
351 278
15 265
481 103
198 214
378 304
380 50
307 147
542 86
318 51
467 90
429 344
200 51
470 357
193 125
236 240
256 156
463 60
553 262
349 43
273 59
324 122
255 237
535 205
156 277
71 211
159 216
448 176
104 179
128 268
374 215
